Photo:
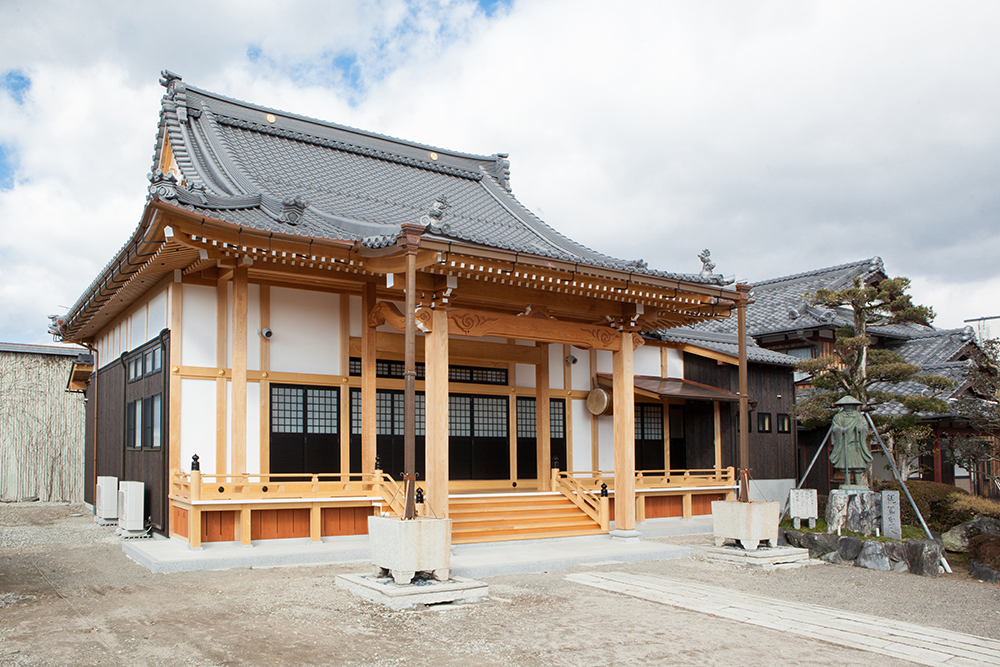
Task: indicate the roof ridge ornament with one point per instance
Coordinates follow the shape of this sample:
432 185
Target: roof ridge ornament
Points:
176 92
501 169
706 263
292 210
163 184
432 219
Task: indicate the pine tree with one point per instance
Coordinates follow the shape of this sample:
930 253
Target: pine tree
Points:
979 407
875 376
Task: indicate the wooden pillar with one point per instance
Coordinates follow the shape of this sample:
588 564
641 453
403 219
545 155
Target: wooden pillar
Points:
543 430
174 410
245 529
436 414
265 385
718 436
240 287
345 390
368 353
938 467
624 416
221 383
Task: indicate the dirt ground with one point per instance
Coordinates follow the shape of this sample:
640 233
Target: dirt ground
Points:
69 596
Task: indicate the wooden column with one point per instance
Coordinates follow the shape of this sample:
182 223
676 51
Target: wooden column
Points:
718 436
368 353
174 410
345 390
624 402
938 463
240 287
264 422
436 414
221 383
543 431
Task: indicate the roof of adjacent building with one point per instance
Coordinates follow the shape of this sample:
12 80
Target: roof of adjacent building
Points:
926 348
270 170
779 304
724 343
26 348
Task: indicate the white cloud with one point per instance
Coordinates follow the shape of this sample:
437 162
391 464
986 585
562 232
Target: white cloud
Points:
784 136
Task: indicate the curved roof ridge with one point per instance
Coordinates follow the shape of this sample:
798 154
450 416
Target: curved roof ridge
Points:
875 264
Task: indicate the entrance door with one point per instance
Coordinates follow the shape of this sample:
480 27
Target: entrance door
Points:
389 432
479 438
649 436
305 429
527 436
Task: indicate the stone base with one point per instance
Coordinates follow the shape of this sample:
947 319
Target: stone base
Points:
404 548
749 523
105 522
859 511
420 593
625 535
762 559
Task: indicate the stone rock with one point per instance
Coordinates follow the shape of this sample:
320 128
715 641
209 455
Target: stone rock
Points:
896 551
924 557
793 538
856 511
872 556
957 539
818 544
833 557
836 510
983 572
782 540
900 566
849 547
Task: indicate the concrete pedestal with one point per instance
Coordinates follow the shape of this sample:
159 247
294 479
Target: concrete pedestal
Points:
404 548
749 523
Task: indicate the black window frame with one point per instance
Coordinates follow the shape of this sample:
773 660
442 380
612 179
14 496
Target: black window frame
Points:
783 423
763 422
144 362
144 423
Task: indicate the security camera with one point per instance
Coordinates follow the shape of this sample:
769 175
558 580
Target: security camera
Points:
571 360
266 333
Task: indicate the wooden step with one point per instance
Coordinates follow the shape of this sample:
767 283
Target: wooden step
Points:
522 517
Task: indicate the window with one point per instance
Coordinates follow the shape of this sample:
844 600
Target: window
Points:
763 422
467 374
143 422
145 363
784 424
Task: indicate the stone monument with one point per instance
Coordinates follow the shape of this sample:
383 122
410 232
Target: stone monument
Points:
802 504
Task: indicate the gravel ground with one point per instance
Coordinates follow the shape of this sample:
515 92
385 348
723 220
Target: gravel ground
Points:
69 596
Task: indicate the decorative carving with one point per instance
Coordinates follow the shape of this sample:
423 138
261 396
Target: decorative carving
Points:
432 219
707 265
637 342
292 210
424 318
606 338
501 170
537 312
386 312
468 322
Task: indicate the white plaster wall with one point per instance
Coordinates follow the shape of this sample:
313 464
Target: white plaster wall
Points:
137 328
605 362
253 428
198 327
581 373
229 429
581 437
355 316
647 360
306 331
606 443
198 423
157 315
524 375
557 362
675 364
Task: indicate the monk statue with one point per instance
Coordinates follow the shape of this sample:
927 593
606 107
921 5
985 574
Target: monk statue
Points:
850 443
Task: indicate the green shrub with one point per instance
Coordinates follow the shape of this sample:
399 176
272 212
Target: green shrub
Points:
986 548
935 501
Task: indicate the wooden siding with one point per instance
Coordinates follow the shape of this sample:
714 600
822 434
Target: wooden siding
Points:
345 520
658 507
218 526
41 429
179 521
278 524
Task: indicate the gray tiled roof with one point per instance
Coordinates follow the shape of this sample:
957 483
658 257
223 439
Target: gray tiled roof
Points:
26 348
726 344
954 371
934 347
779 304
266 169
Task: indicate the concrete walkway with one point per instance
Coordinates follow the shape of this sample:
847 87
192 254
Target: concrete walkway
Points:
467 560
922 645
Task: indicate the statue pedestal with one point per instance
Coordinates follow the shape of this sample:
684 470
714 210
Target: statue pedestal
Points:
856 510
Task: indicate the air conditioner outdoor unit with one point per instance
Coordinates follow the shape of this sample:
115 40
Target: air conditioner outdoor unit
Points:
106 501
131 507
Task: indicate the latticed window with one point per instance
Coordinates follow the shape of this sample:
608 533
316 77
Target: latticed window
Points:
490 417
527 425
390 368
648 421
323 409
286 409
557 418
459 416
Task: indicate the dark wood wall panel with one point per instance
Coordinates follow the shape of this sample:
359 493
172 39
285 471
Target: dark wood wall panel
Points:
111 419
89 479
218 526
658 507
699 434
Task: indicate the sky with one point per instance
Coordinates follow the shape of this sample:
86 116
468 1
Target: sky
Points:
783 136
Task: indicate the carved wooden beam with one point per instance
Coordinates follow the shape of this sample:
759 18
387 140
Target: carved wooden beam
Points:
385 312
476 324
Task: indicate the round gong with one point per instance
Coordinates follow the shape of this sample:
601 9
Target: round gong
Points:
598 401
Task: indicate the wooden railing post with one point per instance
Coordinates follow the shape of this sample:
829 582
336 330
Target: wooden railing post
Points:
555 479
605 508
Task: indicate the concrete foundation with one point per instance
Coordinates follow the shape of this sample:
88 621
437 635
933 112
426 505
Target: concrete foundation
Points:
761 559
420 593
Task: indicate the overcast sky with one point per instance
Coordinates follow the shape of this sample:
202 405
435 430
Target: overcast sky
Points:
783 136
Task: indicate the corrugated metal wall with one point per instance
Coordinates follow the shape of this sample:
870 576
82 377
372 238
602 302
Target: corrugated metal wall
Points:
41 429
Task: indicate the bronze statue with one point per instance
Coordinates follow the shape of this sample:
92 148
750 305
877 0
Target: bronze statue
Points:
850 443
